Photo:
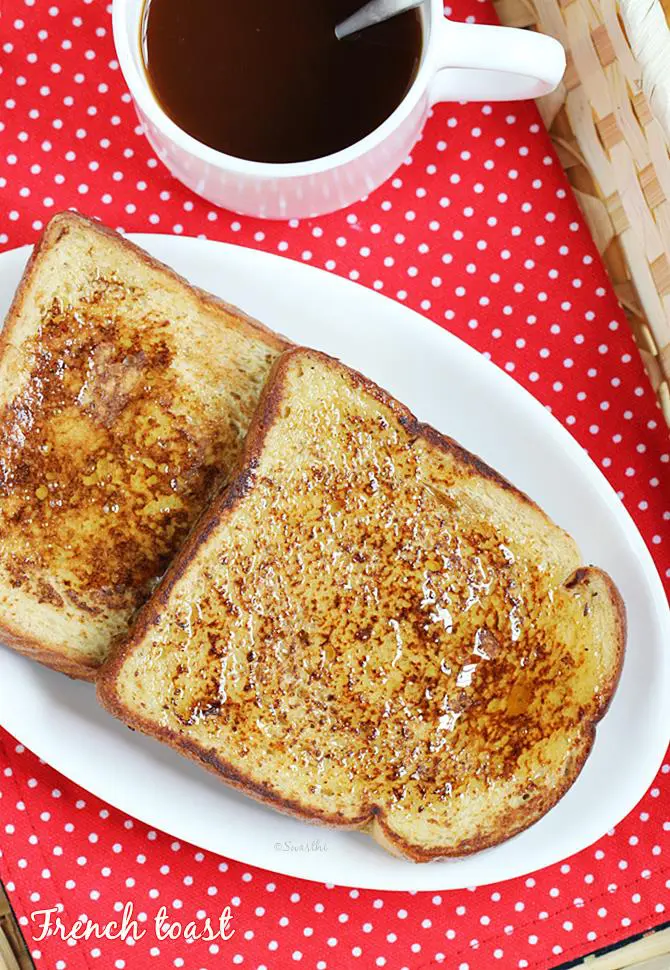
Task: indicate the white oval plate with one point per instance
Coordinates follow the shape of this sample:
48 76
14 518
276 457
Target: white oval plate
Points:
448 384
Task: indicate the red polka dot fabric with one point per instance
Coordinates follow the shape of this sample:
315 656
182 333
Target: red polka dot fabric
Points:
479 232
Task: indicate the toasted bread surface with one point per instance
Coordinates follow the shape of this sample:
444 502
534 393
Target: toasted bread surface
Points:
372 629
125 396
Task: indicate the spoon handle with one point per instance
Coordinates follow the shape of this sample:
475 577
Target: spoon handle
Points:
371 13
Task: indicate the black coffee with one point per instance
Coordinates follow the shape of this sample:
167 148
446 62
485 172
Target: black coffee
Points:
268 81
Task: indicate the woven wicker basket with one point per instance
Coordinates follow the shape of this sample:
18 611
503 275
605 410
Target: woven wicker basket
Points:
13 950
610 124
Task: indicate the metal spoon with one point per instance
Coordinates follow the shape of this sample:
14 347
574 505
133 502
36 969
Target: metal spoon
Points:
371 13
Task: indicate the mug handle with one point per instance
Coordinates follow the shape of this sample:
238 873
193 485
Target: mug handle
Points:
480 62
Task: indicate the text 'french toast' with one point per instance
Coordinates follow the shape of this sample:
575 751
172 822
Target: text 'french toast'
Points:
372 629
125 396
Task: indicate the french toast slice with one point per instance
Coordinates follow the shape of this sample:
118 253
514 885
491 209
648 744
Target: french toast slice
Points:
371 628
125 396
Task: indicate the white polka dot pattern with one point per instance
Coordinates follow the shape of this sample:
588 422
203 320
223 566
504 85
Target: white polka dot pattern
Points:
479 232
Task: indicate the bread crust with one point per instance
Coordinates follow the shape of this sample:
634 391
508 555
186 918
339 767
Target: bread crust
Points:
63 659
11 636
78 669
61 223
372 818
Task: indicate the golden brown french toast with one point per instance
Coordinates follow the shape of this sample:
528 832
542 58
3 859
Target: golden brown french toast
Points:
125 395
372 629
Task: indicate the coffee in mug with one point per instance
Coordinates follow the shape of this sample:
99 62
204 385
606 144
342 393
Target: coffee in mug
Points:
268 81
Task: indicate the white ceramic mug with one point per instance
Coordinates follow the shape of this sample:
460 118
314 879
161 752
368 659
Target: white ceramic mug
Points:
459 62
